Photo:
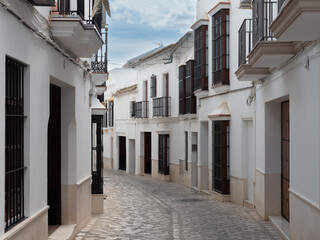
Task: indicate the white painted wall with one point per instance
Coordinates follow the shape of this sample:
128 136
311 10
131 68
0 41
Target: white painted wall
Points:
44 64
301 86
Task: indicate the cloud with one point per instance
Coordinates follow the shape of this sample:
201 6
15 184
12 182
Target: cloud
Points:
157 14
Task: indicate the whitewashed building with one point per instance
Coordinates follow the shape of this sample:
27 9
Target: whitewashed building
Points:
46 93
244 116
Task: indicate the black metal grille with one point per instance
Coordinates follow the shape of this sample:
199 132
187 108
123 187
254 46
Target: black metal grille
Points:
14 143
245 41
99 62
221 157
132 109
263 14
142 109
162 107
110 113
164 154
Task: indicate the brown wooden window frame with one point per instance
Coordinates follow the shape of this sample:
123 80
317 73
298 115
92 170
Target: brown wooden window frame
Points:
191 99
182 89
153 86
164 154
201 58
221 48
221 157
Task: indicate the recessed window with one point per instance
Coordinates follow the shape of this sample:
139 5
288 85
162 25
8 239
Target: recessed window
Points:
220 49
182 89
110 113
221 157
164 154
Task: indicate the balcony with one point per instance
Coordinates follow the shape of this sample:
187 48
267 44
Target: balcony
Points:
80 36
295 20
99 63
162 107
259 52
142 109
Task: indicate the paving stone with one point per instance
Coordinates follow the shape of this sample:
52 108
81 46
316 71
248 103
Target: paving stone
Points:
139 207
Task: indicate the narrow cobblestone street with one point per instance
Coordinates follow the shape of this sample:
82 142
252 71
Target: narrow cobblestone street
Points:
138 207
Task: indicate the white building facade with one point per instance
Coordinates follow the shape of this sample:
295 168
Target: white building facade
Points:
243 123
45 104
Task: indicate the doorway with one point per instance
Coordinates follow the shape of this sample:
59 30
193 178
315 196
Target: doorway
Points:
122 154
54 157
147 152
194 159
285 160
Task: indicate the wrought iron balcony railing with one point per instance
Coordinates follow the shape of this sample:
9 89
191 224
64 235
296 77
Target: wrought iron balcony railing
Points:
99 61
245 41
263 14
162 107
142 109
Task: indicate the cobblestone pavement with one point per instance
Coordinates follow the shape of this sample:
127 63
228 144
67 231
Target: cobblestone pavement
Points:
138 207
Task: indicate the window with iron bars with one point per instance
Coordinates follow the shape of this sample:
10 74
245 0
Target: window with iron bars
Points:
221 157
110 113
153 86
14 143
164 154
220 49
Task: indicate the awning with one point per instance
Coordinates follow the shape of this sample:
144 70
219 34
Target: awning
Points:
221 113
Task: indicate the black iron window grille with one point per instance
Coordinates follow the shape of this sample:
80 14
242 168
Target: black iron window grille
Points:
221 157
201 58
132 109
186 149
153 86
191 99
110 113
162 107
142 109
164 154
221 48
182 89
245 41
14 143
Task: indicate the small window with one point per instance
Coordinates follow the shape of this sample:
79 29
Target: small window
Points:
221 157
132 109
153 86
110 113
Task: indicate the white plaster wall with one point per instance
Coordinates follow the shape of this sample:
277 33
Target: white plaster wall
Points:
301 87
43 61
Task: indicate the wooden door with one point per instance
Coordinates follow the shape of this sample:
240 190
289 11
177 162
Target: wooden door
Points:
285 160
122 153
54 156
147 152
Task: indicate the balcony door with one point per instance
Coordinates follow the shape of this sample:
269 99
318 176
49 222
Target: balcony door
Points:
257 20
285 159
166 92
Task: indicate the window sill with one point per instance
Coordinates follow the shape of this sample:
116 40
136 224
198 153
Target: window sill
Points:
222 88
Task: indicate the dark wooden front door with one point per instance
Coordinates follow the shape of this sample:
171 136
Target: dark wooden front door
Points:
54 156
147 152
285 159
122 153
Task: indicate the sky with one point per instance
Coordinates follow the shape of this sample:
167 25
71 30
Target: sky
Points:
137 26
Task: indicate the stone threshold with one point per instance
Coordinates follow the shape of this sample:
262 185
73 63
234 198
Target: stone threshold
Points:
63 232
282 225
